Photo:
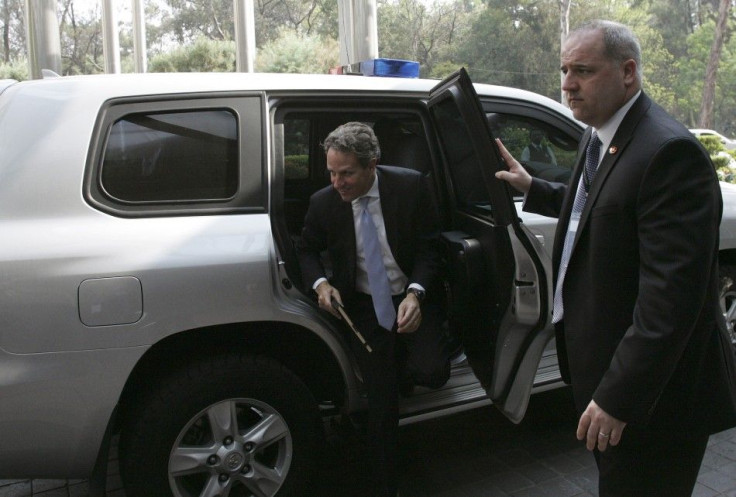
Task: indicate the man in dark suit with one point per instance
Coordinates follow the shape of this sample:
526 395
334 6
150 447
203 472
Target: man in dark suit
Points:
393 207
640 335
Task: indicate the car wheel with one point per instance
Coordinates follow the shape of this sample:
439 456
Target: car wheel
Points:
227 426
728 299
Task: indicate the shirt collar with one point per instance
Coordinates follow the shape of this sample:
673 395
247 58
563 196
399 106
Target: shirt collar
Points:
372 191
608 130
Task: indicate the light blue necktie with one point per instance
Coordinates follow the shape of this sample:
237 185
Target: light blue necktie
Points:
377 276
592 154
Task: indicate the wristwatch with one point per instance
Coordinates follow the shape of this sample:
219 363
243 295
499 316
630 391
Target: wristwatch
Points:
419 294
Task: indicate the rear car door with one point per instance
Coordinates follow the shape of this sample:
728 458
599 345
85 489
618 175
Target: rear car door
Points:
499 297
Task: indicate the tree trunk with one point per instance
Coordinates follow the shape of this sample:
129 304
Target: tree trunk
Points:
711 71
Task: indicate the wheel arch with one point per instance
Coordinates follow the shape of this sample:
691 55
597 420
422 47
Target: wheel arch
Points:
304 353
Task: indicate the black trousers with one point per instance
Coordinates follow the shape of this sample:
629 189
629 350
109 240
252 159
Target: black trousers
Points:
421 356
648 463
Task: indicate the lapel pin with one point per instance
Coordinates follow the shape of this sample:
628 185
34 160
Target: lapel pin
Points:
613 150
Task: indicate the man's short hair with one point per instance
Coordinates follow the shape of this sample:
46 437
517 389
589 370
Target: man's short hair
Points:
619 42
354 137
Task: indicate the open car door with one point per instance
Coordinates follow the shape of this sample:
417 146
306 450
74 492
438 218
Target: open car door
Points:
499 298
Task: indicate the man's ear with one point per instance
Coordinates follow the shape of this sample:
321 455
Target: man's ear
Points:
372 163
629 72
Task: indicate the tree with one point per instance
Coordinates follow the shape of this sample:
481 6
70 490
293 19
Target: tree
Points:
709 86
14 33
213 19
514 44
81 40
410 29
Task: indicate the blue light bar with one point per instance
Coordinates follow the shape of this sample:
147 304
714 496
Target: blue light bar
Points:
395 68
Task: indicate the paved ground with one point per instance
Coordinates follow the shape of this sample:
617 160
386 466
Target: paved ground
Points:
472 454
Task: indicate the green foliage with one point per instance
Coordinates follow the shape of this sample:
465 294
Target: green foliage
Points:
292 53
423 31
203 56
15 69
443 69
514 45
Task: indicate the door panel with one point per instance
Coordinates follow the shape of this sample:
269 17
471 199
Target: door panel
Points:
497 282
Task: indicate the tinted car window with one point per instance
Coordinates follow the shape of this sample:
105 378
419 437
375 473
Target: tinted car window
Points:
170 157
465 169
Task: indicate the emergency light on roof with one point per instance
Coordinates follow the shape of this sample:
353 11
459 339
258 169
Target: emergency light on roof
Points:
395 68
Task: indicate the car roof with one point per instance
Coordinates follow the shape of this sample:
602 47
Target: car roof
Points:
107 86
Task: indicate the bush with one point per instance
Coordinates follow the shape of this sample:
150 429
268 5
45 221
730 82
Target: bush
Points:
16 69
712 144
292 53
722 159
203 56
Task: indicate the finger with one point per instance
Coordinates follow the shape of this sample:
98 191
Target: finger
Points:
582 432
410 325
501 148
616 435
592 439
603 439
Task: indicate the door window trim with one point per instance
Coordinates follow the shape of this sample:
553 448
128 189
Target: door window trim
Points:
251 192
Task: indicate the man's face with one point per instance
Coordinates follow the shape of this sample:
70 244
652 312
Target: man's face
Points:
348 177
595 86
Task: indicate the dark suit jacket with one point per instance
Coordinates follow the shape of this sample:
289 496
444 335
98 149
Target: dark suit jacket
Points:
642 332
412 229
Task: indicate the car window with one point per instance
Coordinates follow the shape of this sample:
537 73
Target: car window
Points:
172 156
545 152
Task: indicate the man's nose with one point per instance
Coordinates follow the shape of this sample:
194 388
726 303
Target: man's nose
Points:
568 82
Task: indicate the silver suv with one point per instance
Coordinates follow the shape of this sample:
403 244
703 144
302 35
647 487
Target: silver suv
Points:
149 287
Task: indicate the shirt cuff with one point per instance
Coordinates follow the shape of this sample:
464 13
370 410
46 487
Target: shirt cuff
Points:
417 286
318 283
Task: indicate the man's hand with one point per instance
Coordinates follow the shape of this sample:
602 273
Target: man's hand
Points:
409 316
325 294
597 427
516 175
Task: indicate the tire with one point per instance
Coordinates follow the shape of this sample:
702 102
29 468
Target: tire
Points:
728 300
231 425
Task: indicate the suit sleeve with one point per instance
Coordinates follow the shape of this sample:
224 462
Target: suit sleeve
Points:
427 257
312 242
678 214
545 198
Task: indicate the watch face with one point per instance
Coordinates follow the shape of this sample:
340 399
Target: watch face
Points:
419 294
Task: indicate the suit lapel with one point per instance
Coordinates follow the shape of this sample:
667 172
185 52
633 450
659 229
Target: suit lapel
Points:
611 156
389 207
343 212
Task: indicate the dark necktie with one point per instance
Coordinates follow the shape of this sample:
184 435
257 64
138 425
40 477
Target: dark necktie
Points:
377 276
592 154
